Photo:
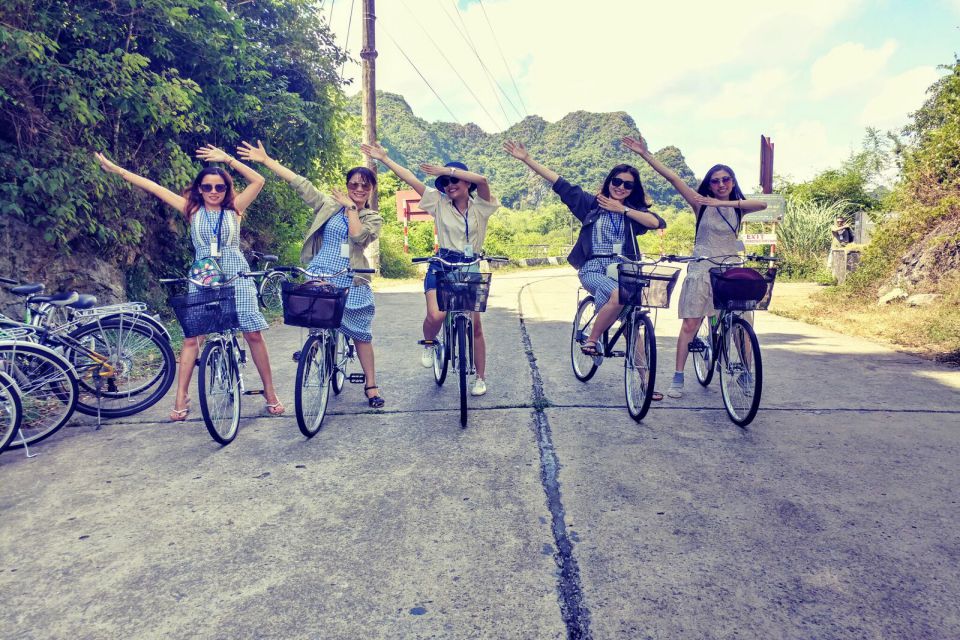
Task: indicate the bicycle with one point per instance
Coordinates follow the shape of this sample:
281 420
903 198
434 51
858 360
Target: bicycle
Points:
460 294
11 410
211 311
318 305
726 342
641 288
269 284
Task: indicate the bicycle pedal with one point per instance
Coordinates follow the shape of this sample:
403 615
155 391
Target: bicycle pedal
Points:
357 378
616 354
697 348
253 392
427 343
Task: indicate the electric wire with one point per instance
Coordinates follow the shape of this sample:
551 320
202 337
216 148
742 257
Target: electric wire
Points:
346 44
504 59
422 77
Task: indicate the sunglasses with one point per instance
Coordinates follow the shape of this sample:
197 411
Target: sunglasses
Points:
626 184
219 188
358 185
724 180
445 180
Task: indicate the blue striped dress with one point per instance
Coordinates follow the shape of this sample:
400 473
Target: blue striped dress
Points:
359 311
593 274
203 227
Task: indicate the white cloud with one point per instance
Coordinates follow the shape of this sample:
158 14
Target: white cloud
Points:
762 94
803 149
897 97
848 66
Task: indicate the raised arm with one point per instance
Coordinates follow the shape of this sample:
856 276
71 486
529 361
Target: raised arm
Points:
378 153
254 180
746 206
175 200
518 151
483 187
310 194
639 147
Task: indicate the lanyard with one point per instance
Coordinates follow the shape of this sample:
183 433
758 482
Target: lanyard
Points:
466 218
727 221
216 230
617 228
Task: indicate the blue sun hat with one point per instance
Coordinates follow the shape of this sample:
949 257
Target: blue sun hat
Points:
440 182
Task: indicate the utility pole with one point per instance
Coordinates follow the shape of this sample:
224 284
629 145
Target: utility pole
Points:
369 56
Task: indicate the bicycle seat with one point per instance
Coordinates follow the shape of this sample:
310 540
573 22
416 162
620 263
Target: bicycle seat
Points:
84 301
27 289
60 299
268 257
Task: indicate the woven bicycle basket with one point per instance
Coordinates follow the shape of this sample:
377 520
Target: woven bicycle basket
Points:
206 310
313 304
461 290
742 288
647 286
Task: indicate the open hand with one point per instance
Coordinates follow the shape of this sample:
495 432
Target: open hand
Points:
211 153
637 146
374 150
341 197
247 151
435 169
706 201
611 205
517 150
106 164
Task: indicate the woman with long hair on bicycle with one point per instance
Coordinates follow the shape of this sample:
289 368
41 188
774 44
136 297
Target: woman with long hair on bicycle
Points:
612 219
719 206
214 210
343 226
461 219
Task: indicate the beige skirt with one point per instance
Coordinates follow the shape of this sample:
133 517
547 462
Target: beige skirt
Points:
696 296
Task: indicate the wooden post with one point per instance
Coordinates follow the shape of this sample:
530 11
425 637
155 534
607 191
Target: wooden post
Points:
766 164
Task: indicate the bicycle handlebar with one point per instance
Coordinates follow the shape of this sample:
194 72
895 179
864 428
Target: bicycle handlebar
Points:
240 274
719 260
321 275
460 264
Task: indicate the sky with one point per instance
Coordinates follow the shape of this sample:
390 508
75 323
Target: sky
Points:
707 77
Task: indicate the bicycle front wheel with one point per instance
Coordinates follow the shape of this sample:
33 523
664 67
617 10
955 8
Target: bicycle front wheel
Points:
640 365
340 354
704 357
441 354
584 366
313 384
11 410
269 292
741 372
463 365
48 389
219 386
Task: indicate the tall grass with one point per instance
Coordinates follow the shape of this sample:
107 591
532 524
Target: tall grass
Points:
803 238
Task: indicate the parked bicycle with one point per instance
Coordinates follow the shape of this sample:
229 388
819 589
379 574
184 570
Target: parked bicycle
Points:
269 284
211 311
318 305
461 292
11 409
643 285
726 342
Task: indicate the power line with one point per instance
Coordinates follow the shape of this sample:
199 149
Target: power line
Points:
454 68
502 57
422 77
346 44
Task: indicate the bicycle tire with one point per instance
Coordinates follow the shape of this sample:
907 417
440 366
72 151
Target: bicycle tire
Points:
48 389
462 365
584 366
270 290
741 394
640 373
441 354
219 388
312 392
11 410
339 363
130 347
704 362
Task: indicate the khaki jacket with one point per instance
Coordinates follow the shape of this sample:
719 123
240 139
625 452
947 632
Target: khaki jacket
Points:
325 207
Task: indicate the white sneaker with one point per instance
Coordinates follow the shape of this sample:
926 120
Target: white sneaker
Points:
479 387
426 358
675 390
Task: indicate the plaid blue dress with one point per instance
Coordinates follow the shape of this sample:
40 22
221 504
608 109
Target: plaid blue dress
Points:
593 274
359 310
203 228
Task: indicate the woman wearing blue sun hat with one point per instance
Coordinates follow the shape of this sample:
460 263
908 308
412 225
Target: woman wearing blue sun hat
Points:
461 204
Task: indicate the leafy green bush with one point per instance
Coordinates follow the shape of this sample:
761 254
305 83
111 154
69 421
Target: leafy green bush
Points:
803 238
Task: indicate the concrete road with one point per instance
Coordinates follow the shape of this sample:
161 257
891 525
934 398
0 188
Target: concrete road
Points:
553 514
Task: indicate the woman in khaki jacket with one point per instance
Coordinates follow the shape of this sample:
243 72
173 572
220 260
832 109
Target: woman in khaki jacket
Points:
342 228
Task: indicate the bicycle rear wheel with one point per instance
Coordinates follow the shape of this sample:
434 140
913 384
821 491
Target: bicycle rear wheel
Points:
219 386
11 410
704 358
269 292
313 384
48 389
441 354
640 365
741 372
462 365
141 359
584 366
340 354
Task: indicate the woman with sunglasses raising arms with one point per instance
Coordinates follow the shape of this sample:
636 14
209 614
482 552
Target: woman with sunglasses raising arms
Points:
343 226
612 219
718 205
461 219
214 210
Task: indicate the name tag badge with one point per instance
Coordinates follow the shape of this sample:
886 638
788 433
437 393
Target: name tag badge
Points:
468 250
618 247
344 250
214 248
